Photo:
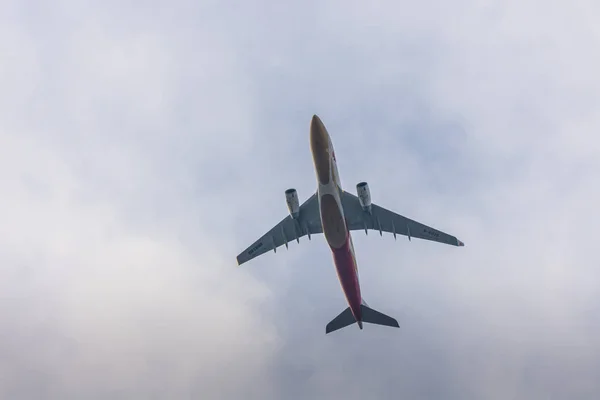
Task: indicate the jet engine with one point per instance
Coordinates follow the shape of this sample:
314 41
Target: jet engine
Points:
364 196
291 198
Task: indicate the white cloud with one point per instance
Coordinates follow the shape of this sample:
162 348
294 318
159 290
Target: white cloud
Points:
106 290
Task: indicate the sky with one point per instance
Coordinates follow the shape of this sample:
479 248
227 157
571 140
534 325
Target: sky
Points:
143 145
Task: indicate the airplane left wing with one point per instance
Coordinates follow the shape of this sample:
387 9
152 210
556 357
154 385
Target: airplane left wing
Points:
383 220
289 229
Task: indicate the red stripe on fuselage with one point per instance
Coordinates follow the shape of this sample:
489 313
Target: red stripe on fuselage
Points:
334 226
345 265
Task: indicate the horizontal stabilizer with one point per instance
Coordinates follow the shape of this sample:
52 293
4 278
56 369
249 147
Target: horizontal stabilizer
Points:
368 315
375 317
341 321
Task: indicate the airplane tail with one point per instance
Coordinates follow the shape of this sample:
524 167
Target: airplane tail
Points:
341 321
369 315
375 317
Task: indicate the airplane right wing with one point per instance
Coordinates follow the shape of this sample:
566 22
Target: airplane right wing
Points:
384 220
289 229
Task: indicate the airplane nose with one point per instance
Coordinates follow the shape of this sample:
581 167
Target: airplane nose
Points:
318 135
315 118
319 145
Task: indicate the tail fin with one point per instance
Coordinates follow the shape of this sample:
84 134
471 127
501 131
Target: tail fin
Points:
368 315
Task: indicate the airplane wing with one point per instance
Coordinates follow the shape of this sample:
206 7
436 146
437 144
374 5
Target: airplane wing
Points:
289 229
384 220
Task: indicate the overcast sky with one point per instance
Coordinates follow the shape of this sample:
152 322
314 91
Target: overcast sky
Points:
143 145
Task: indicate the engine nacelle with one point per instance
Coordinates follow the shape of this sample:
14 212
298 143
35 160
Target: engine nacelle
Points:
291 198
364 196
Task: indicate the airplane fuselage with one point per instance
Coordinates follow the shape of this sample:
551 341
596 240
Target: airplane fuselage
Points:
332 215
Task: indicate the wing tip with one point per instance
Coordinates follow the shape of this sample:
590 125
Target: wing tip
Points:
459 243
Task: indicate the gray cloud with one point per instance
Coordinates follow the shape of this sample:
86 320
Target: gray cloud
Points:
142 148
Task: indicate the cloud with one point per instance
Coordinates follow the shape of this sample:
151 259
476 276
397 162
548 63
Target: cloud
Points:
113 284
142 148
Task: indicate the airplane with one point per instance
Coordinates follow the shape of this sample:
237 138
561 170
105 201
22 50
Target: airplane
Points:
335 213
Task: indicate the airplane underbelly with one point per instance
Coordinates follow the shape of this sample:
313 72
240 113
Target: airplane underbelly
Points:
345 265
332 219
